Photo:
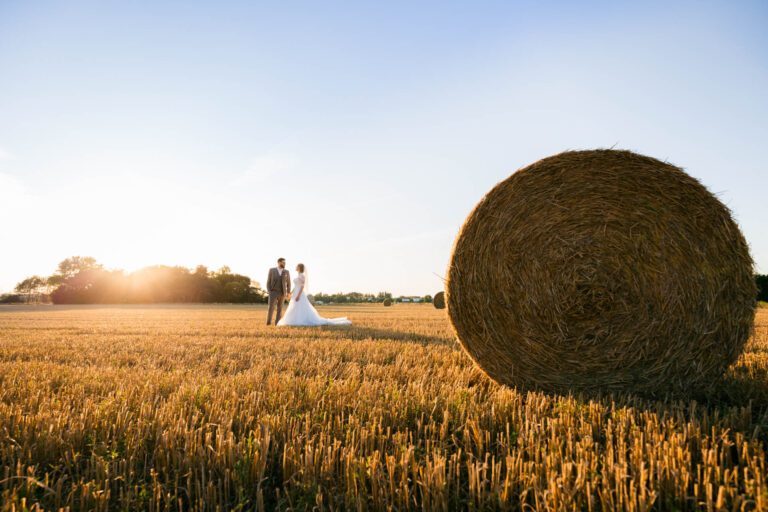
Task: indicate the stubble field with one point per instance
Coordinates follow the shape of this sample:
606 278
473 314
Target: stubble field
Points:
205 408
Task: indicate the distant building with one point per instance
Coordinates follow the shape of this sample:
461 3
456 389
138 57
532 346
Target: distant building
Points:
410 299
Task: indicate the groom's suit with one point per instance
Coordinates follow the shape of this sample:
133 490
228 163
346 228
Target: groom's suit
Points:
278 288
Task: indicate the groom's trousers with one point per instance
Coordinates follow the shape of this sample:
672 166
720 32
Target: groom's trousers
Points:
275 300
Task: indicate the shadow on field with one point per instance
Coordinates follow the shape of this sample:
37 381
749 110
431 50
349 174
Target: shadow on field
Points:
742 387
359 333
738 388
369 333
740 399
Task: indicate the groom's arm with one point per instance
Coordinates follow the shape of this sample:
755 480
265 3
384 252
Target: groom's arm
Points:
288 279
269 281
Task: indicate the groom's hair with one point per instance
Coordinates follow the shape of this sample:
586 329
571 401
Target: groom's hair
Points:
280 260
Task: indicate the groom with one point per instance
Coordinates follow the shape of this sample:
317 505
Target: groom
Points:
278 288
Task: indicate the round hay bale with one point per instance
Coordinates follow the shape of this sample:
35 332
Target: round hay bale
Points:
387 302
601 270
439 300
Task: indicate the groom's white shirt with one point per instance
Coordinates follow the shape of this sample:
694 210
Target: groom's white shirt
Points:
280 271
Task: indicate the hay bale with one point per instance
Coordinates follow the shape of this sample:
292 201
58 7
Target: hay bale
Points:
601 270
387 302
439 300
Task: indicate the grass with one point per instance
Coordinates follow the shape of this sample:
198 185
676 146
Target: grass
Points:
204 408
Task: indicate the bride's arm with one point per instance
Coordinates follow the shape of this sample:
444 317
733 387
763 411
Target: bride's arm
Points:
299 290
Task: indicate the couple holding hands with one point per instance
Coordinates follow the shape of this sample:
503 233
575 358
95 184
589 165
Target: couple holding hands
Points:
300 311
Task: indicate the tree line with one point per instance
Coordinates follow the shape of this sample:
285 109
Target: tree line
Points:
351 297
82 280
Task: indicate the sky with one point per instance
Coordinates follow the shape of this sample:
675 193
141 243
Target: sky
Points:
354 137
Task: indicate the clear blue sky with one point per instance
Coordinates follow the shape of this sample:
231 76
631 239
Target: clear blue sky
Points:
353 136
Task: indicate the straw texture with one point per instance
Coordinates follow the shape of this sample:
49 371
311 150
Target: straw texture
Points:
601 270
439 300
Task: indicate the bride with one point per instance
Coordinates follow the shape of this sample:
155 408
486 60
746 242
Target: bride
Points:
300 311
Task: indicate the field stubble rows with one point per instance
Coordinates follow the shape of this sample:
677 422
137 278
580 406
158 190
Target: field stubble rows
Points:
205 408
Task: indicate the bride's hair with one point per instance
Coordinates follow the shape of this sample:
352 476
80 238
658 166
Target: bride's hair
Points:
300 267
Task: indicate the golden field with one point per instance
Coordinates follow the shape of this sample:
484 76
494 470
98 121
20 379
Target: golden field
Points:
205 408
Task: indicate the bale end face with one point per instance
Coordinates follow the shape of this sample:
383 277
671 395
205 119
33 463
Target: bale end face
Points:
601 270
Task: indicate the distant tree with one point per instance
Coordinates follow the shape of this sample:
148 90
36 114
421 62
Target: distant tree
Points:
234 287
235 291
23 287
162 283
55 280
427 298
31 288
762 287
92 286
75 264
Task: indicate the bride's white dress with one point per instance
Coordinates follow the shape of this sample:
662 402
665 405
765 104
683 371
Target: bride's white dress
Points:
302 312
